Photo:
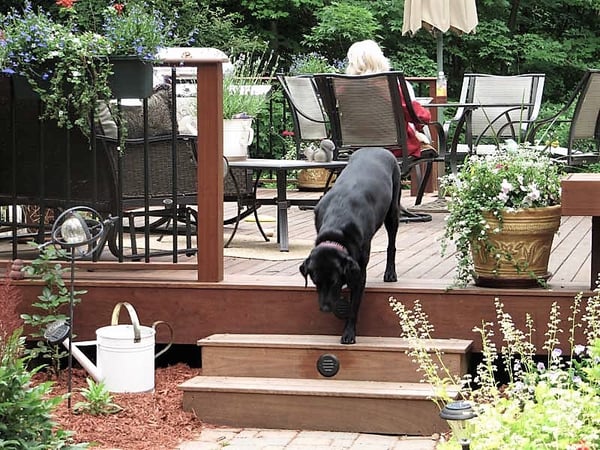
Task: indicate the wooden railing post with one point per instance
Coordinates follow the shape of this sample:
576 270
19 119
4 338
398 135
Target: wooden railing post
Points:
209 69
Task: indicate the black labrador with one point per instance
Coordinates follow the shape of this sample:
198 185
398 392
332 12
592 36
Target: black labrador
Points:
364 196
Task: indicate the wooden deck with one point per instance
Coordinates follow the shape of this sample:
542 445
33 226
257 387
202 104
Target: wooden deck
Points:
268 295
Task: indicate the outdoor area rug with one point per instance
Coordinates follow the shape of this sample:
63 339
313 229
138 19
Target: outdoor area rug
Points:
249 247
438 205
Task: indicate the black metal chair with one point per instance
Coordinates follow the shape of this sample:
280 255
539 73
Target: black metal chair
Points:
366 111
582 113
509 107
309 119
240 188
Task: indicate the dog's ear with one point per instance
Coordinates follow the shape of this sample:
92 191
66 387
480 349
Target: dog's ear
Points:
304 271
351 270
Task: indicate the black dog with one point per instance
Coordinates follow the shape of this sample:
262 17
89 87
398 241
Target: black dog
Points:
364 196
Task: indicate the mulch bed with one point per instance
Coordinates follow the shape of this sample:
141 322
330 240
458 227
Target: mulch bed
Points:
147 421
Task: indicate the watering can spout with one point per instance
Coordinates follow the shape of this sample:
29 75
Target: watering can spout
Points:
58 333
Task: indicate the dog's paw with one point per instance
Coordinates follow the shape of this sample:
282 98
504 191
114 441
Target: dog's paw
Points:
348 339
390 277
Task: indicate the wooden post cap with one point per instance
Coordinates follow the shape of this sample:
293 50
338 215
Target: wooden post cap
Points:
191 56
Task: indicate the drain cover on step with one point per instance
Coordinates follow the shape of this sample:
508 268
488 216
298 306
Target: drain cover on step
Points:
328 365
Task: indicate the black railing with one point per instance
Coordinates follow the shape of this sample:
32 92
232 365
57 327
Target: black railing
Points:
150 185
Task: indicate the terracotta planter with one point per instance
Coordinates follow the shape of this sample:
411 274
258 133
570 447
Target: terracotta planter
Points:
527 237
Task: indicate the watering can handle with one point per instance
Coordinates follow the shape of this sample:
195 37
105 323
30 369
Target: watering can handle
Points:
162 322
132 315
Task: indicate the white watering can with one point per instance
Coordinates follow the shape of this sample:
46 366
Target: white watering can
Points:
124 353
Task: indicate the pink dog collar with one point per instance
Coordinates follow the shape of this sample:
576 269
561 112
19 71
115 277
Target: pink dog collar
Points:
334 245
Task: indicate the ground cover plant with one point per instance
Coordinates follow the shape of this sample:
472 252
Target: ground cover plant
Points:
552 403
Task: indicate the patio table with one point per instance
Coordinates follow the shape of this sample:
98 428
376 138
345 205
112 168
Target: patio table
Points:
281 167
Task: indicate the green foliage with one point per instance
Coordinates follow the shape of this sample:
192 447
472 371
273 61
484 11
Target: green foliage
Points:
136 30
339 25
52 302
64 68
510 179
98 401
311 63
25 408
248 70
555 404
277 9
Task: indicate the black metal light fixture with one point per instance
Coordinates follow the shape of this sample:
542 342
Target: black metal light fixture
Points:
81 231
457 414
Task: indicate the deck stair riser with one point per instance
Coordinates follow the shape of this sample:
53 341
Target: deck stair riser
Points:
326 404
272 381
296 356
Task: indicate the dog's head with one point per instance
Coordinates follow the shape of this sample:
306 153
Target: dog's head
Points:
330 268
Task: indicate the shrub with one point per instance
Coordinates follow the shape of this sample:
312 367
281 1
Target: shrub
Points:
25 408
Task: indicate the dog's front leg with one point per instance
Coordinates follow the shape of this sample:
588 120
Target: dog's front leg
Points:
356 294
391 226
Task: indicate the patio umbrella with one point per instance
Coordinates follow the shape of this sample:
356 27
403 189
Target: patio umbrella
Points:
440 16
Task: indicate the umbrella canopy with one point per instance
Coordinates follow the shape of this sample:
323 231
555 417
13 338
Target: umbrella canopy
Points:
440 16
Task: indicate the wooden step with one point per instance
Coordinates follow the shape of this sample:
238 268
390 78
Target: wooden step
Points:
295 356
325 404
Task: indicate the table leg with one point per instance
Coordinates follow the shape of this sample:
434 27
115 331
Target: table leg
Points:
282 207
595 251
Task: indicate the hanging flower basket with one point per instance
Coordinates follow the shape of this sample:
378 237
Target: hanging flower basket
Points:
131 77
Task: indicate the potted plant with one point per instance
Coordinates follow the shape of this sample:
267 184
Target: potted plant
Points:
60 66
246 90
504 209
136 34
66 61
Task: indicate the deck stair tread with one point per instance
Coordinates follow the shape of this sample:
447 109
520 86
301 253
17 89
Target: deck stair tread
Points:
371 343
298 356
312 387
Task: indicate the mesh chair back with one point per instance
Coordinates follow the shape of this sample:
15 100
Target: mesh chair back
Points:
308 115
498 121
586 117
365 110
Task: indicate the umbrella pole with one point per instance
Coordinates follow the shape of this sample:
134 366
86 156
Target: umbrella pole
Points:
440 49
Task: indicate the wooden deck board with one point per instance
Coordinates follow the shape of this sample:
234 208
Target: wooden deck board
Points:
418 249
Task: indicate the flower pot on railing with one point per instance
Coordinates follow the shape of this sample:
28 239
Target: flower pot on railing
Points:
131 77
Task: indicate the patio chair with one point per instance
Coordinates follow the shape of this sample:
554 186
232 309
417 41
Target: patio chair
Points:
366 111
308 117
311 124
240 188
582 113
509 107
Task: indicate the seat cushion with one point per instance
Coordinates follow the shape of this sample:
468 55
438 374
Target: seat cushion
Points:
159 116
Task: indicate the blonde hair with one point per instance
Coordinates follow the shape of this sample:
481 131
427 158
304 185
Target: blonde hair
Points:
366 57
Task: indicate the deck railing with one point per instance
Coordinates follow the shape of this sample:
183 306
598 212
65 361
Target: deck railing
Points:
46 169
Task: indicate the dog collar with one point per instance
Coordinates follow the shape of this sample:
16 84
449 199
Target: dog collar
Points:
334 245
